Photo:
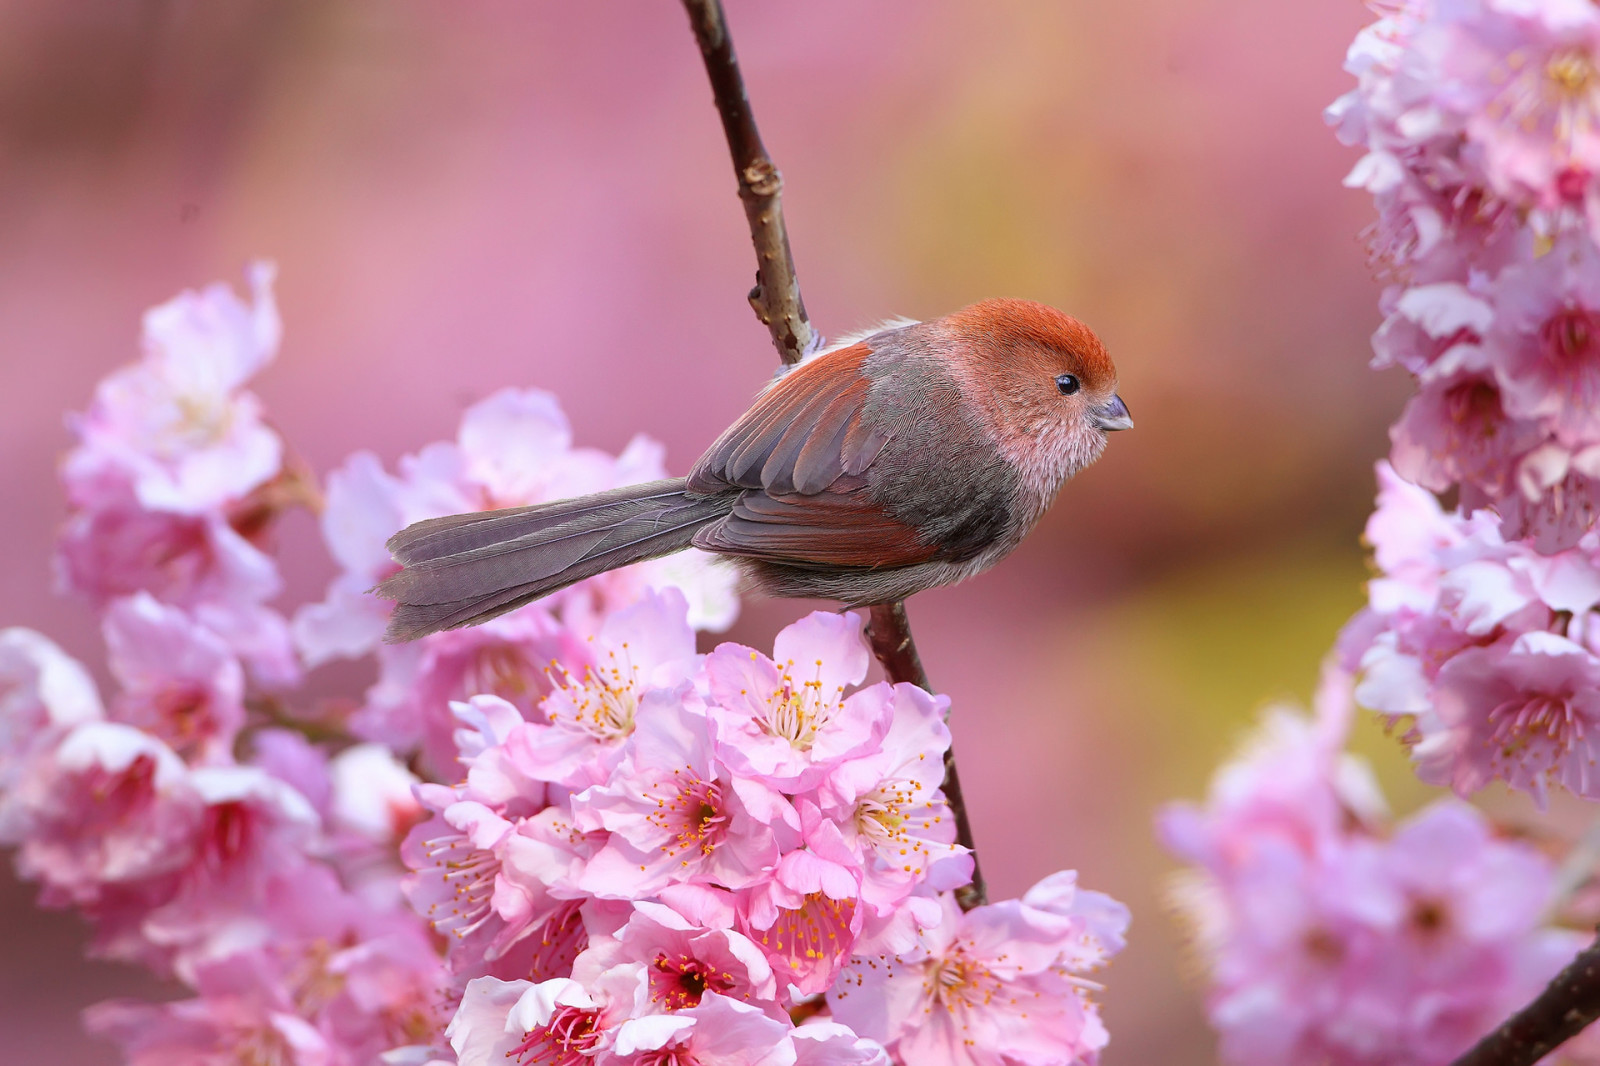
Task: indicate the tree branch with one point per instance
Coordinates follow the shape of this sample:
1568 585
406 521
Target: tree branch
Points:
777 303
1566 1006
889 632
776 297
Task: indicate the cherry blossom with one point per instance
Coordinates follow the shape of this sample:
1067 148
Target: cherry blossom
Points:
43 693
676 814
177 426
594 703
179 681
108 809
987 987
788 720
1341 938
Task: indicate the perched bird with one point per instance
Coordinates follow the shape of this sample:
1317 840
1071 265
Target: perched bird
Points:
914 457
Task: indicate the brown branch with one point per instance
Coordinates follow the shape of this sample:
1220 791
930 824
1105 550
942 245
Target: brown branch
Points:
776 297
777 303
889 632
1561 1011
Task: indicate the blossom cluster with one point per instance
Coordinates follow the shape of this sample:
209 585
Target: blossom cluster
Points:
1479 122
688 847
1332 935
1487 650
1481 125
562 837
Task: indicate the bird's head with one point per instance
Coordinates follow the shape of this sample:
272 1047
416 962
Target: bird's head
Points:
1042 379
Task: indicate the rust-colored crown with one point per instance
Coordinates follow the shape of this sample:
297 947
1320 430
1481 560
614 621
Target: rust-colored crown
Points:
1011 322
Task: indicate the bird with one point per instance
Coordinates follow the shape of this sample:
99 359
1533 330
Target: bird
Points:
909 458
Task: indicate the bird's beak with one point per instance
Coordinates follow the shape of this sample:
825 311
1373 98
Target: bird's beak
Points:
1112 415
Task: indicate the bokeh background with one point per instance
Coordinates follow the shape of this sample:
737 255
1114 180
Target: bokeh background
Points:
467 195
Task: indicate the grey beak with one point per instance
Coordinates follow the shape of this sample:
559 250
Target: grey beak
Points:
1112 415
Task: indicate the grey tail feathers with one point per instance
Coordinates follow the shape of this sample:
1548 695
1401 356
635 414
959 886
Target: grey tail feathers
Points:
468 568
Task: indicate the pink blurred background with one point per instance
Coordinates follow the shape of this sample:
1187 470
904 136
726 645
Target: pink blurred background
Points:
468 195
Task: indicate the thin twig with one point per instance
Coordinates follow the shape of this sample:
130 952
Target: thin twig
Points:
1565 1007
889 632
776 297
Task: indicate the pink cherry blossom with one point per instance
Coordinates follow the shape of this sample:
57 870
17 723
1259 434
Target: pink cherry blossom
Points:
549 949
1545 344
177 425
676 814
596 692
1557 497
559 1021
1103 921
1477 643
114 548
1481 122
494 864
1441 323
682 961
199 1032
1408 948
988 987
198 562
718 1032
370 985
457 854
808 915
788 720
1352 943
887 805
43 693
1534 117
827 1043
1526 711
109 809
493 774
480 1032
371 794
180 681
248 861
484 724
638 856
1456 431
410 704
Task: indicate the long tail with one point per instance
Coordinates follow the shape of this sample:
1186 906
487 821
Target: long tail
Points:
468 568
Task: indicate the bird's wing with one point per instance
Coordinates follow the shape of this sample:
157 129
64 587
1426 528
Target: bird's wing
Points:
801 435
801 454
824 529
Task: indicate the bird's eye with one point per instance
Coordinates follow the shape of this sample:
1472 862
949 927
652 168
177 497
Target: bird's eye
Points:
1068 384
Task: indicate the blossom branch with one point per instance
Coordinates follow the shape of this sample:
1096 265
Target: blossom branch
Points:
889 632
777 303
1566 1006
776 296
